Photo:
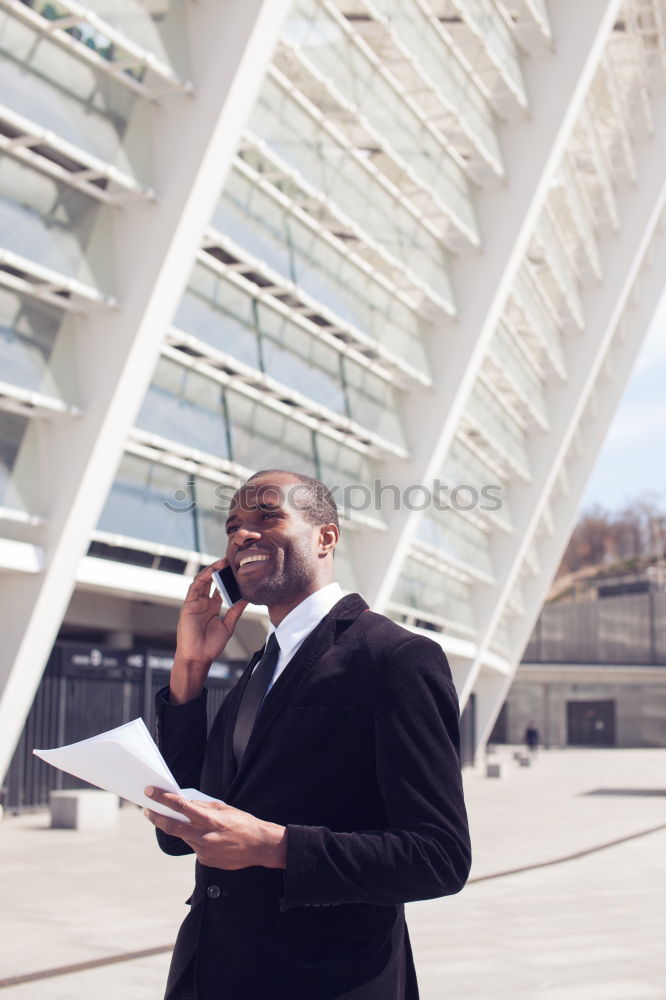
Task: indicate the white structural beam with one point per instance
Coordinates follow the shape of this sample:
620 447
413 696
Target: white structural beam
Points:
623 255
137 582
193 141
558 82
565 505
19 557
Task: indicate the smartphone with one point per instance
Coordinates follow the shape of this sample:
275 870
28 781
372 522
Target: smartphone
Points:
225 581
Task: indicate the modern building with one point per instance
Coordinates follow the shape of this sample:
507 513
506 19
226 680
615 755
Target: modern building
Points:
410 246
594 670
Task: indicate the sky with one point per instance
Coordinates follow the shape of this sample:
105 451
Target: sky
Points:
632 459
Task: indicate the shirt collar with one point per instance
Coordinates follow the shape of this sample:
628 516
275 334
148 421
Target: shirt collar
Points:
302 619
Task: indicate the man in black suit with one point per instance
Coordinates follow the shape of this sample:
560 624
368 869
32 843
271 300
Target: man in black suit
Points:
336 757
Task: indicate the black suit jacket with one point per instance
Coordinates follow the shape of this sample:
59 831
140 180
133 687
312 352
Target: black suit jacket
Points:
356 751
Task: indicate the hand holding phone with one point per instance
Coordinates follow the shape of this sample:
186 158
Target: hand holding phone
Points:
202 634
226 583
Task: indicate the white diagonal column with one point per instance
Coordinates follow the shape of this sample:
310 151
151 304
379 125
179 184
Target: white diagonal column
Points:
615 367
557 82
193 141
622 255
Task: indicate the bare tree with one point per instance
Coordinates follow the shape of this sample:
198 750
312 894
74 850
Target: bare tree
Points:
636 531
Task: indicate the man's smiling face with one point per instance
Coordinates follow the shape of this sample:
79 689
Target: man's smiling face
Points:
272 548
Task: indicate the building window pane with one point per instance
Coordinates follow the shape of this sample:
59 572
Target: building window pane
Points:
136 506
46 222
255 221
463 467
457 537
373 402
262 439
220 314
498 426
12 429
300 360
28 332
349 475
433 593
57 90
157 26
185 407
306 146
360 83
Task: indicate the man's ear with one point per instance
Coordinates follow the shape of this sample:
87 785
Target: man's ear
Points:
329 536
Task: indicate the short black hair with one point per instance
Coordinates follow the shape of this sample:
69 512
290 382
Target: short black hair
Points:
315 501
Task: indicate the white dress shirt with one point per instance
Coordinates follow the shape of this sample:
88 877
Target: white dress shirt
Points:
295 627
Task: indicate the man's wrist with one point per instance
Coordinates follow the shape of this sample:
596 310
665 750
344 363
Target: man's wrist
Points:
274 853
187 679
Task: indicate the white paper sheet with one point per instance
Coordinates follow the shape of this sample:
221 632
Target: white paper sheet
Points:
123 760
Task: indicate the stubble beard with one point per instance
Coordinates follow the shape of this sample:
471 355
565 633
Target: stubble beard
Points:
288 578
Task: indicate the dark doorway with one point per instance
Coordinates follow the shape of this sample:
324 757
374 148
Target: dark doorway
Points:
591 723
501 727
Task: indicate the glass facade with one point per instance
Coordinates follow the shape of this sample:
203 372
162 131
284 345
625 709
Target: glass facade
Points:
451 77
136 506
45 221
465 466
58 90
435 596
457 538
28 334
348 70
535 318
12 431
490 24
221 314
140 40
348 178
500 430
520 373
187 408
324 292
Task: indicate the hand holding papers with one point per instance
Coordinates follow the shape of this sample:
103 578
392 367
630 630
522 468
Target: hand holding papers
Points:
125 761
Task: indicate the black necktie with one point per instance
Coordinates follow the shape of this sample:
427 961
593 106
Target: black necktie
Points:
253 695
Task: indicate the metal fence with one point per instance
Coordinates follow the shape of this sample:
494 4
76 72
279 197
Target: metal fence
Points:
84 691
629 629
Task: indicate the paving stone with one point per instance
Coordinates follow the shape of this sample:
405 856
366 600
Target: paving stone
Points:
586 929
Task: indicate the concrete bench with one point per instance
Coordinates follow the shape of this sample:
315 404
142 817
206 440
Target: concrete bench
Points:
496 770
83 809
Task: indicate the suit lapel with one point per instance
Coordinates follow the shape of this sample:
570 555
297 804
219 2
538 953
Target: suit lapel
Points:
315 645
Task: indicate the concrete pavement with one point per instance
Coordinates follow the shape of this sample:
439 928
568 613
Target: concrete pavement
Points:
591 928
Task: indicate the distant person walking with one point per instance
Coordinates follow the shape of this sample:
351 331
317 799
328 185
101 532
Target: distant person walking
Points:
532 738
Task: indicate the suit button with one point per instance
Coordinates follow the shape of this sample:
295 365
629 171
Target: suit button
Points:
213 891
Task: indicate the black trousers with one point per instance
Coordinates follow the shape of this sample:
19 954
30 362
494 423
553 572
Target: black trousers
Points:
183 986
